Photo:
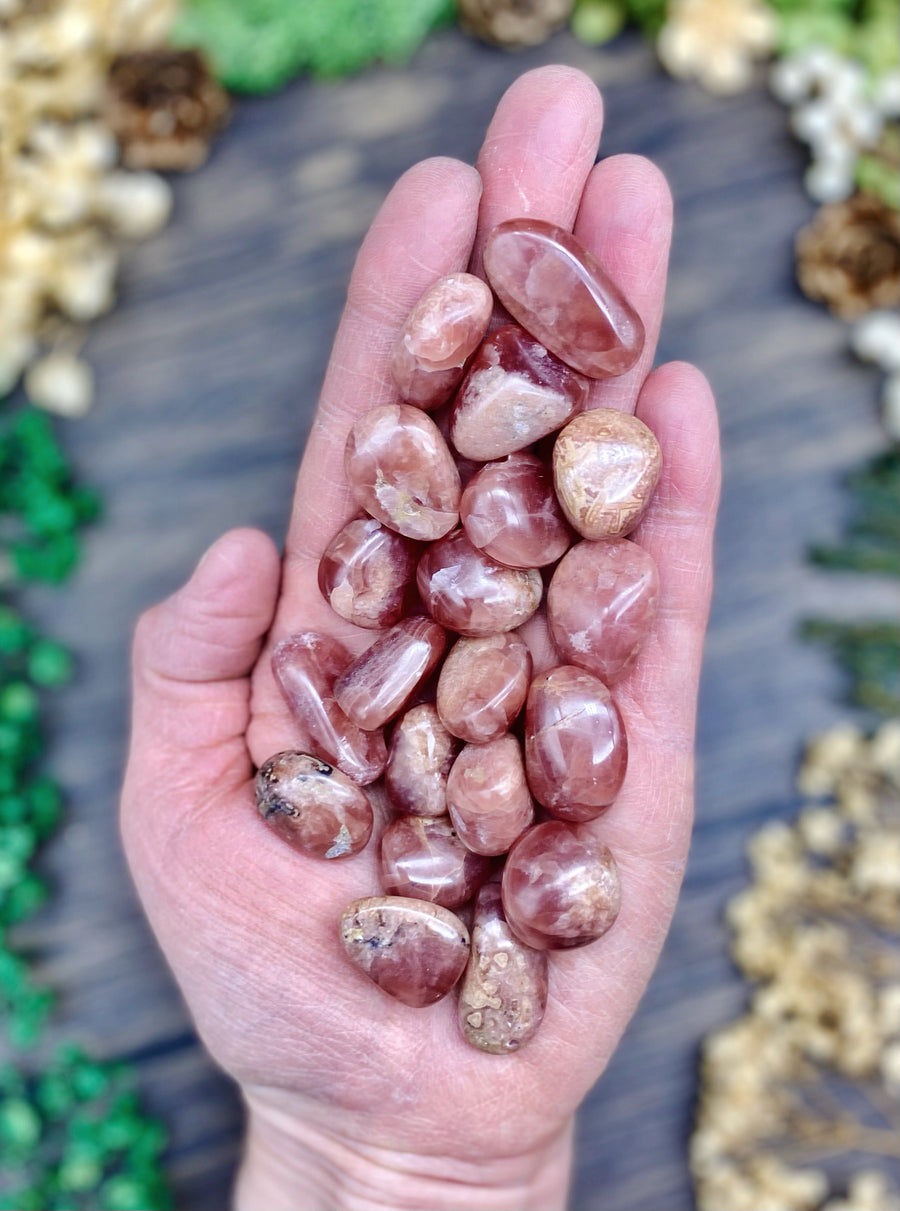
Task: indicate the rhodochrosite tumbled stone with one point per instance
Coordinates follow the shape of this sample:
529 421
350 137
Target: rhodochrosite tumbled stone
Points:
381 681
509 510
488 796
575 746
515 393
443 330
423 858
421 754
482 686
504 993
554 287
606 465
313 806
367 573
306 667
601 604
468 592
413 950
560 887
402 472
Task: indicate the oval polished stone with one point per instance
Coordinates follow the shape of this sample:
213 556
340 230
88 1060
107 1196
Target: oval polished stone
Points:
419 760
504 992
509 510
576 751
472 594
367 573
306 667
313 806
401 471
425 859
560 887
515 392
442 332
555 288
377 686
414 951
488 796
601 604
606 465
482 686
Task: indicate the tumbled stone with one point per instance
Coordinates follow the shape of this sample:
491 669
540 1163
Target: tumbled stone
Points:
556 290
606 465
377 685
509 510
504 992
425 859
419 760
488 796
306 667
442 332
576 751
601 604
367 573
470 593
414 951
313 806
401 471
482 686
515 392
560 887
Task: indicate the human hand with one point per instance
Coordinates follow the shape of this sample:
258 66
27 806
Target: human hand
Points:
355 1100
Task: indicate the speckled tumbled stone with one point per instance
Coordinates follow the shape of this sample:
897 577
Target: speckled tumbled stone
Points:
313 806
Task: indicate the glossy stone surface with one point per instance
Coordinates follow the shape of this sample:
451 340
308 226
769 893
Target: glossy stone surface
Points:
576 751
414 951
377 685
472 594
313 806
606 465
306 666
515 392
442 332
488 796
423 858
555 288
509 510
419 760
560 887
601 604
482 686
367 573
402 473
504 992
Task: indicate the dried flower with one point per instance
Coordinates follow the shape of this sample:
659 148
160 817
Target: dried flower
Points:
849 256
716 41
514 23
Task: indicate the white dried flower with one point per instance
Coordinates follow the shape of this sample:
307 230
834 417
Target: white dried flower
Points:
876 338
716 41
822 830
135 204
60 383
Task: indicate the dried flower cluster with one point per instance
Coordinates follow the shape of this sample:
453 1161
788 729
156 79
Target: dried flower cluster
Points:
876 338
816 932
716 41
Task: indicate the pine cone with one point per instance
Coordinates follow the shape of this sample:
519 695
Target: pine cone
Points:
514 23
849 256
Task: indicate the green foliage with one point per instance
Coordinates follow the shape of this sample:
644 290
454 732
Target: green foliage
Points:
869 653
865 31
872 542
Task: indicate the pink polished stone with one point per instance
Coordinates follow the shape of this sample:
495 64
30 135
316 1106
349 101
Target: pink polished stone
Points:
555 288
606 465
313 806
426 860
509 510
575 746
421 754
378 685
306 667
601 604
443 331
560 887
488 796
413 950
367 573
515 392
472 594
482 686
402 472
504 992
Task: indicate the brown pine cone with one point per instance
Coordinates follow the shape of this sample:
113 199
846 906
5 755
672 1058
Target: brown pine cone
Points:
849 256
514 23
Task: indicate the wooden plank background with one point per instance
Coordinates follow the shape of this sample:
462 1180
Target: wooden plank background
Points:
207 376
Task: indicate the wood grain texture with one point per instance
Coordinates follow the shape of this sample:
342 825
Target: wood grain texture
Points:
207 376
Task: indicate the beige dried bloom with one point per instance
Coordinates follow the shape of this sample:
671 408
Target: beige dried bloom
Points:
716 41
